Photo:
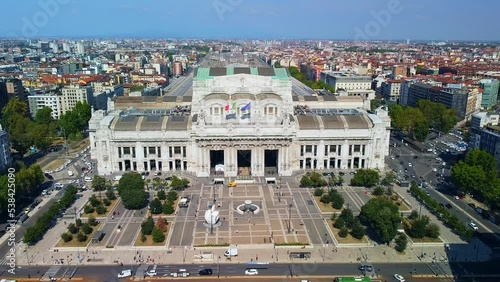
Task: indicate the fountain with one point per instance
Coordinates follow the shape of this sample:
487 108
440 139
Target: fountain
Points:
248 207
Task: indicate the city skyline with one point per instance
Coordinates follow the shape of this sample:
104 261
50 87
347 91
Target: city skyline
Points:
242 19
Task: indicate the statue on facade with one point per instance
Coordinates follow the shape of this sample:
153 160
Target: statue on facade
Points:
285 117
201 118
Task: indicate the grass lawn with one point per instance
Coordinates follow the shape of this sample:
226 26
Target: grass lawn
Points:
74 243
77 148
149 239
425 240
108 209
55 164
402 206
325 208
347 240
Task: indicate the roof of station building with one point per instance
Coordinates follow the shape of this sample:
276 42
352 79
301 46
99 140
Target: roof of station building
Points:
210 73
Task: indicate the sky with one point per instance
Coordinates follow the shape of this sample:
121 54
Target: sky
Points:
254 19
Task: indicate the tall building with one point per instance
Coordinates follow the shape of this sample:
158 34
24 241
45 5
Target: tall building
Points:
490 92
52 100
399 72
74 94
66 47
5 156
54 46
391 89
11 88
485 134
80 48
239 122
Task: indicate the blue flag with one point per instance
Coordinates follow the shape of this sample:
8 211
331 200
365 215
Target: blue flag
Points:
246 107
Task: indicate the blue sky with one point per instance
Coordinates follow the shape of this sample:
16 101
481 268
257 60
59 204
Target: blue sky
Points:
280 19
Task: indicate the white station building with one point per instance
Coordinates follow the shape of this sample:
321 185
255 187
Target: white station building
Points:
239 122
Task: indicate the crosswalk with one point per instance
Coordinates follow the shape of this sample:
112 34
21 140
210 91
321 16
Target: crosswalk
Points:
51 272
3 262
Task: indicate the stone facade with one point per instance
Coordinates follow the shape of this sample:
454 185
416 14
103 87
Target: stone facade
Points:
246 123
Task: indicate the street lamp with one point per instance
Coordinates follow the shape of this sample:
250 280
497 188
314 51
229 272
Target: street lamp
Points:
289 216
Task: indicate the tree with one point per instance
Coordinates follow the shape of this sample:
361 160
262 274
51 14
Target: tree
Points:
357 230
92 221
158 235
418 227
432 230
382 216
78 222
88 209
155 206
389 179
178 183
66 237
94 201
100 209
44 116
325 199
81 237
131 190
401 243
343 232
337 201
339 223
99 183
366 178
86 228
110 194
172 196
318 192
161 195
340 180
147 226
168 208
39 134
378 191
348 218
72 228
161 223
83 112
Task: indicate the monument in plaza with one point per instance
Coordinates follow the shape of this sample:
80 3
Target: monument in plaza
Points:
212 217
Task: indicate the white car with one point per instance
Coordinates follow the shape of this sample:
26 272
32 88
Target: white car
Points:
435 169
151 273
410 165
88 179
125 273
251 272
400 278
473 226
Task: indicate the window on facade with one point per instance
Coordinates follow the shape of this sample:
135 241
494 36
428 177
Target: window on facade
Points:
315 150
363 149
170 151
126 150
145 152
333 148
183 152
309 148
302 150
119 152
152 150
357 148
133 152
177 150
326 150
350 150
159 151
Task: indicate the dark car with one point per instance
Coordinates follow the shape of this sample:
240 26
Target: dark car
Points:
366 268
441 204
341 173
207 271
168 178
472 205
49 176
449 206
415 157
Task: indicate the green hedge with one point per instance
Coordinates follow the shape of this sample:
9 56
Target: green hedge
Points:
449 220
35 233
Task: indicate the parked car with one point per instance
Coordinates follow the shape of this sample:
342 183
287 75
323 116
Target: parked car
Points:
400 278
472 205
448 206
151 272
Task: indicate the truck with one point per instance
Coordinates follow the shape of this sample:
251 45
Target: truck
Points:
70 173
231 252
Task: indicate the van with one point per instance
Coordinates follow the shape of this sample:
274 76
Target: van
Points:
23 218
231 253
184 202
125 273
70 173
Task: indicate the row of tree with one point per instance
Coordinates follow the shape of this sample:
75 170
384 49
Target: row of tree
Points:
167 207
294 72
417 121
347 223
366 178
25 132
157 231
478 175
80 229
35 233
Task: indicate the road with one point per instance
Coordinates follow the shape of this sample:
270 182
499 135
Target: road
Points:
422 167
109 272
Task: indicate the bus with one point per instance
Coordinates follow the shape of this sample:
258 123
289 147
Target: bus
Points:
352 279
